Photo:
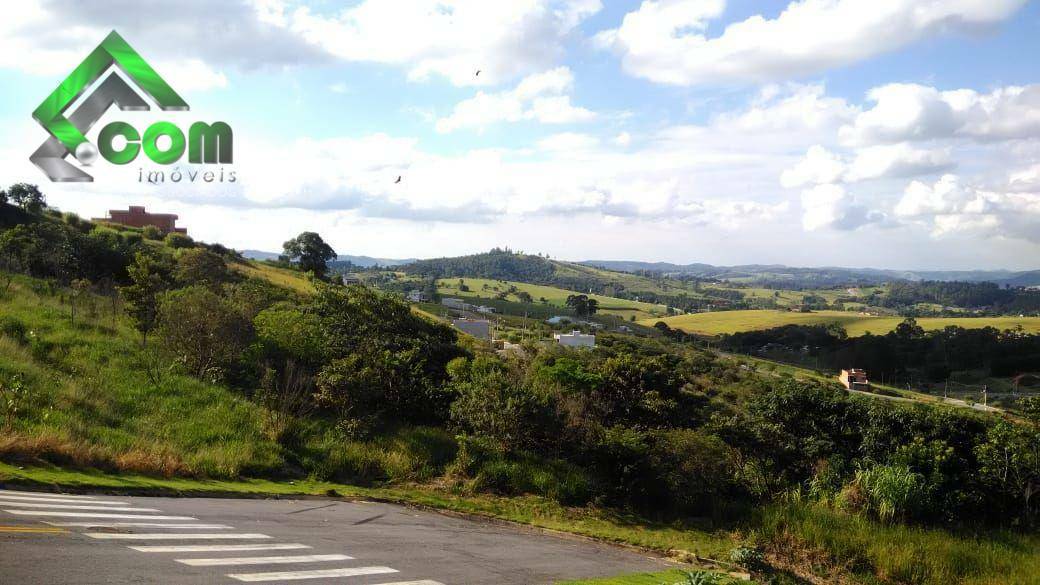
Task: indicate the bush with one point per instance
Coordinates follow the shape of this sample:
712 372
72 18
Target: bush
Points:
13 328
203 331
489 468
178 240
152 233
886 491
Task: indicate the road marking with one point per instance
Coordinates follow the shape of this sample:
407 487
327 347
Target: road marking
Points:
174 536
75 507
45 495
4 496
32 529
135 525
96 515
318 574
217 547
263 560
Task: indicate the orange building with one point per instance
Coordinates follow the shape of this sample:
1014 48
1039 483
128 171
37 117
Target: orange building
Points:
137 217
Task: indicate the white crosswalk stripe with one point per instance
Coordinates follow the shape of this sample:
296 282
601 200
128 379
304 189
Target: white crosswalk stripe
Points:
316 574
78 507
217 547
96 515
135 525
90 513
18 499
44 495
174 536
263 560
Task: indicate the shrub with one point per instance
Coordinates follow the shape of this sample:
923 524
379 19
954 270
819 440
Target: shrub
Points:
203 331
13 328
152 233
177 240
886 491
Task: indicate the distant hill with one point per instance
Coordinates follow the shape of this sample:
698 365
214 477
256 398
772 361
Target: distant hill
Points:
824 276
363 261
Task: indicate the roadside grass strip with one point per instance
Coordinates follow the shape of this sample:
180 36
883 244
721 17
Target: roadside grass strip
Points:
315 574
174 536
263 560
186 548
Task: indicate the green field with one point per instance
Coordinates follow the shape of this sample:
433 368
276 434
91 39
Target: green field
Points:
557 297
719 322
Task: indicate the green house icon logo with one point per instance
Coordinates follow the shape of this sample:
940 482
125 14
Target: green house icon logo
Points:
67 130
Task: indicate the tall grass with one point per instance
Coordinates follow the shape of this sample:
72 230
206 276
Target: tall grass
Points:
894 553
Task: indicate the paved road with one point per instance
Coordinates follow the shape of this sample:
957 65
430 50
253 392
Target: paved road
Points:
52 539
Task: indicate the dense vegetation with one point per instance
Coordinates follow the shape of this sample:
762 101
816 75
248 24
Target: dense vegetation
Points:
907 351
183 366
968 295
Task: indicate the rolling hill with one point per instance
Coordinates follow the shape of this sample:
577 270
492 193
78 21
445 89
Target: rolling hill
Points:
722 322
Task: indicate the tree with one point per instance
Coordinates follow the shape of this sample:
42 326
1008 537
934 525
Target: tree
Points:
310 253
3 197
200 266
524 296
583 306
141 296
205 332
27 196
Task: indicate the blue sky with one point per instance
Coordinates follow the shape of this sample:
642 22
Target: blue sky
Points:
887 133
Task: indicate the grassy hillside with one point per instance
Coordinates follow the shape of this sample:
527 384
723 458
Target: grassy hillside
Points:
279 276
93 397
719 322
482 287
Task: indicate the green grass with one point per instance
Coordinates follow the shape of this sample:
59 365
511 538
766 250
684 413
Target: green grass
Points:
891 553
658 578
555 296
281 276
719 322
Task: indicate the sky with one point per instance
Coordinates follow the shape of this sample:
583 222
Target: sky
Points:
864 133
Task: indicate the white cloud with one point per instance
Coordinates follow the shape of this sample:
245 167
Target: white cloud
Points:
449 38
910 112
667 41
949 206
831 206
821 166
52 37
568 142
540 97
188 75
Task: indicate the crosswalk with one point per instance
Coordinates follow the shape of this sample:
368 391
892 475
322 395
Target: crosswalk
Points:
119 522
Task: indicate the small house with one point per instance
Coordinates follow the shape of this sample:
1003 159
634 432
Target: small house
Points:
854 379
575 339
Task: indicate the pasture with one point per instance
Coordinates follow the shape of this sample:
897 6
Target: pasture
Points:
721 322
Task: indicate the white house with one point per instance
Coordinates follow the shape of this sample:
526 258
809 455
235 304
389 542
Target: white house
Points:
417 296
575 339
453 303
479 328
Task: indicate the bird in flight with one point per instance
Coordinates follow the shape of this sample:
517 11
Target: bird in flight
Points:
478 73
398 179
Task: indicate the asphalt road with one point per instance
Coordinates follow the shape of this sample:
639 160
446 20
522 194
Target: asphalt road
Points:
50 539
